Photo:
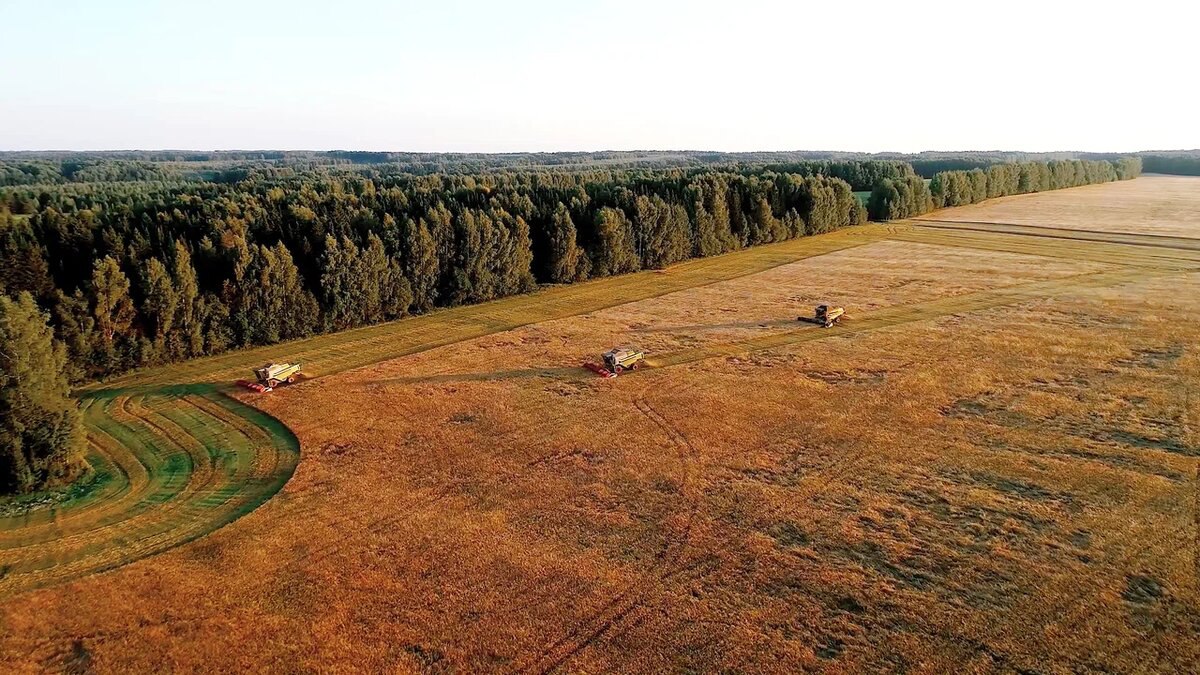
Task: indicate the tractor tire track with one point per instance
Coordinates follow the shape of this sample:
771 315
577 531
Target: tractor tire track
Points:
667 562
342 351
131 445
904 314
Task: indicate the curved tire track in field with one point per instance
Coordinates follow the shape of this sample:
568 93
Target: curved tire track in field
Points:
172 465
175 462
668 563
626 605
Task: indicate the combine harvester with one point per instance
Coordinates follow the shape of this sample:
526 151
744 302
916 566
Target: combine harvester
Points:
272 375
617 360
825 315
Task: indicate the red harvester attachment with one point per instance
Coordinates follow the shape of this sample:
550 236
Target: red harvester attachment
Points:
254 386
599 369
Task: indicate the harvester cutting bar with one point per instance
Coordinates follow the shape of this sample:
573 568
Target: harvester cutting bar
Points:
254 386
599 369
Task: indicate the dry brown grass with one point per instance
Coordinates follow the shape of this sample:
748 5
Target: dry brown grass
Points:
991 466
1163 205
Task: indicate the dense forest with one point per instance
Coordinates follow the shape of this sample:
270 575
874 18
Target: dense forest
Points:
137 273
113 261
47 168
58 168
139 261
41 438
892 199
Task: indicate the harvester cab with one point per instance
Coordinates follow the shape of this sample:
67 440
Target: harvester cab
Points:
827 315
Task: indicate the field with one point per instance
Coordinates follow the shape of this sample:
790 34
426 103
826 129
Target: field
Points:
1161 205
991 465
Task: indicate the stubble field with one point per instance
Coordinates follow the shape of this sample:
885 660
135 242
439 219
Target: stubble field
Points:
1157 205
992 465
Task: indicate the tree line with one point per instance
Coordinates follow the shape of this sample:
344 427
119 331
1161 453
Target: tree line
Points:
895 199
861 170
42 172
1180 164
145 273
117 264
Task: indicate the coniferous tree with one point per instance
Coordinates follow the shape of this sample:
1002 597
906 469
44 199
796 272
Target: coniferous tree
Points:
663 231
160 302
513 262
614 251
343 294
188 339
440 222
286 302
112 309
421 265
710 217
384 292
41 438
75 327
22 265
565 260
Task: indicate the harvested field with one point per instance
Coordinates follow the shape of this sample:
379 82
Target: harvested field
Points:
1156 205
991 465
171 465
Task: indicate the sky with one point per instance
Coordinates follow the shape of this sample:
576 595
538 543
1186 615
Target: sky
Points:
475 76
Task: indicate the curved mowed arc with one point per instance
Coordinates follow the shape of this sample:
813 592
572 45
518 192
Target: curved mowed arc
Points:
176 462
171 464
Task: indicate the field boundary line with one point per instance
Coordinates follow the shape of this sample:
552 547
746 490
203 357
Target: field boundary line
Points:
1099 236
456 324
1058 228
1096 251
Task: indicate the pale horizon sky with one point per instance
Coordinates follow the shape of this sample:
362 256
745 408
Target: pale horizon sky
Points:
460 76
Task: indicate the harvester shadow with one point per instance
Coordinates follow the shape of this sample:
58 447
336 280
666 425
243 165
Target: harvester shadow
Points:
499 375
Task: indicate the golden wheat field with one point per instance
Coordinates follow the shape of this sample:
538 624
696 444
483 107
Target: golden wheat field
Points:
992 465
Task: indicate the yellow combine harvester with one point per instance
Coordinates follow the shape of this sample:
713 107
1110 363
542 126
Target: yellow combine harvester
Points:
273 374
616 360
828 315
623 358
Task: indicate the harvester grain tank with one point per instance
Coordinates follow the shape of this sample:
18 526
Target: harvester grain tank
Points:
623 358
272 375
616 360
